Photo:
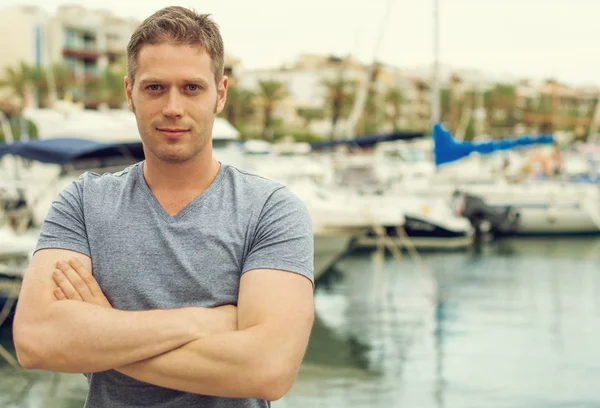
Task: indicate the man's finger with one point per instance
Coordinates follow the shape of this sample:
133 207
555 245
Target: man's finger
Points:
65 285
59 294
87 277
76 281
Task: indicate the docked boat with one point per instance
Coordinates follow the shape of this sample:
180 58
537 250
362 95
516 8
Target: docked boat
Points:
430 222
51 164
331 244
544 207
336 225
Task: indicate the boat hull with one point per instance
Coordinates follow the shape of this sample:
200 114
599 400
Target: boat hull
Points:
422 234
330 246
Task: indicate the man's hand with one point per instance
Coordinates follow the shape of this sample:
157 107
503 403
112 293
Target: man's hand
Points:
75 282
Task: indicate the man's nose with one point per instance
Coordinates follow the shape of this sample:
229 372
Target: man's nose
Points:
174 106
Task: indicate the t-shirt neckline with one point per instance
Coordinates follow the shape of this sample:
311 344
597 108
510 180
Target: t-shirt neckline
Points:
190 206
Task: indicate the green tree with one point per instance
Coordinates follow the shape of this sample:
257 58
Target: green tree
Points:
339 97
393 99
445 105
108 87
309 115
369 121
270 94
16 123
19 80
64 80
240 106
500 103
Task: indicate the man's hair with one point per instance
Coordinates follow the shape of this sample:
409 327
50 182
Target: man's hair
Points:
178 25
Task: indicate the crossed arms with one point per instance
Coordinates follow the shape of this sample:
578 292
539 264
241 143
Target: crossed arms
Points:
252 351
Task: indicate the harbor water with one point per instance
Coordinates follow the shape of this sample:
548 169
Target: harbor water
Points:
516 324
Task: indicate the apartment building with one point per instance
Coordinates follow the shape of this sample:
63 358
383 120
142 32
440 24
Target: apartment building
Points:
549 106
84 40
305 80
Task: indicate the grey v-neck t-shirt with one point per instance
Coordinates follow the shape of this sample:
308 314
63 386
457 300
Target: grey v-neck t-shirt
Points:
145 259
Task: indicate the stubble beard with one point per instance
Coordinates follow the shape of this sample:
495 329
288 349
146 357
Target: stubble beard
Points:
177 154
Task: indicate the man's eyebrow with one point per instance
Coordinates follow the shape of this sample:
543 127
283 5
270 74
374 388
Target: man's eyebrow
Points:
198 80
149 80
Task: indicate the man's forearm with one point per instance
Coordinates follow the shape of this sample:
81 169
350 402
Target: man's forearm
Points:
78 337
248 363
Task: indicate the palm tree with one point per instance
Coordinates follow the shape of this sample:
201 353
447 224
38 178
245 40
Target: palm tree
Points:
339 97
25 80
309 115
16 123
369 122
240 105
64 80
270 92
108 87
393 99
19 80
500 103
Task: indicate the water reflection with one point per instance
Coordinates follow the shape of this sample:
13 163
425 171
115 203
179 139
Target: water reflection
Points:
37 389
438 334
335 350
513 325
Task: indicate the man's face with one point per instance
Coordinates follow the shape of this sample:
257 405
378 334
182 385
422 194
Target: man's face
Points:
175 100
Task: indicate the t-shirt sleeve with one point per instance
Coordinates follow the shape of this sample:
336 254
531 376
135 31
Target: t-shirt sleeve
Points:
64 225
283 238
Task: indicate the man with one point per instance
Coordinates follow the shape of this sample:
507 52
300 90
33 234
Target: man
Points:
180 281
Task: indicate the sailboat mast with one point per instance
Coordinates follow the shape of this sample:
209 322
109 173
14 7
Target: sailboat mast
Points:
361 94
435 80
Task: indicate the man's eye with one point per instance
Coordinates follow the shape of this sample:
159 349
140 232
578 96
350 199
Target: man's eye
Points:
154 87
193 87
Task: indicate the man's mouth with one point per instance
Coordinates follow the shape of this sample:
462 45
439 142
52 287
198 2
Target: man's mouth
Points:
172 133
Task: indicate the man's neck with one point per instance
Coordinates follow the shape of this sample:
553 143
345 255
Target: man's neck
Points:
194 175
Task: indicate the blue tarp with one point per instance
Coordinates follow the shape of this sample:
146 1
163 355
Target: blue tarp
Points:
369 140
65 150
447 150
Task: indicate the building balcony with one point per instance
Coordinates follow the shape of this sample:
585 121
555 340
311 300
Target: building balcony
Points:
535 118
85 74
83 52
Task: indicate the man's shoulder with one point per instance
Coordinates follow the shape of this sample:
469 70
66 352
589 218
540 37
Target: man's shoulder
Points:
95 182
250 183
259 190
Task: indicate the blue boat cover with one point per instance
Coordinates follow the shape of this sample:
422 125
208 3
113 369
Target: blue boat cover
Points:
369 140
65 150
447 150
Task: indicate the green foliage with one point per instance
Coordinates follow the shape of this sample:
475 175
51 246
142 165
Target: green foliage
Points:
240 106
310 114
106 88
370 120
299 136
15 126
470 131
18 79
445 103
270 92
393 99
340 93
